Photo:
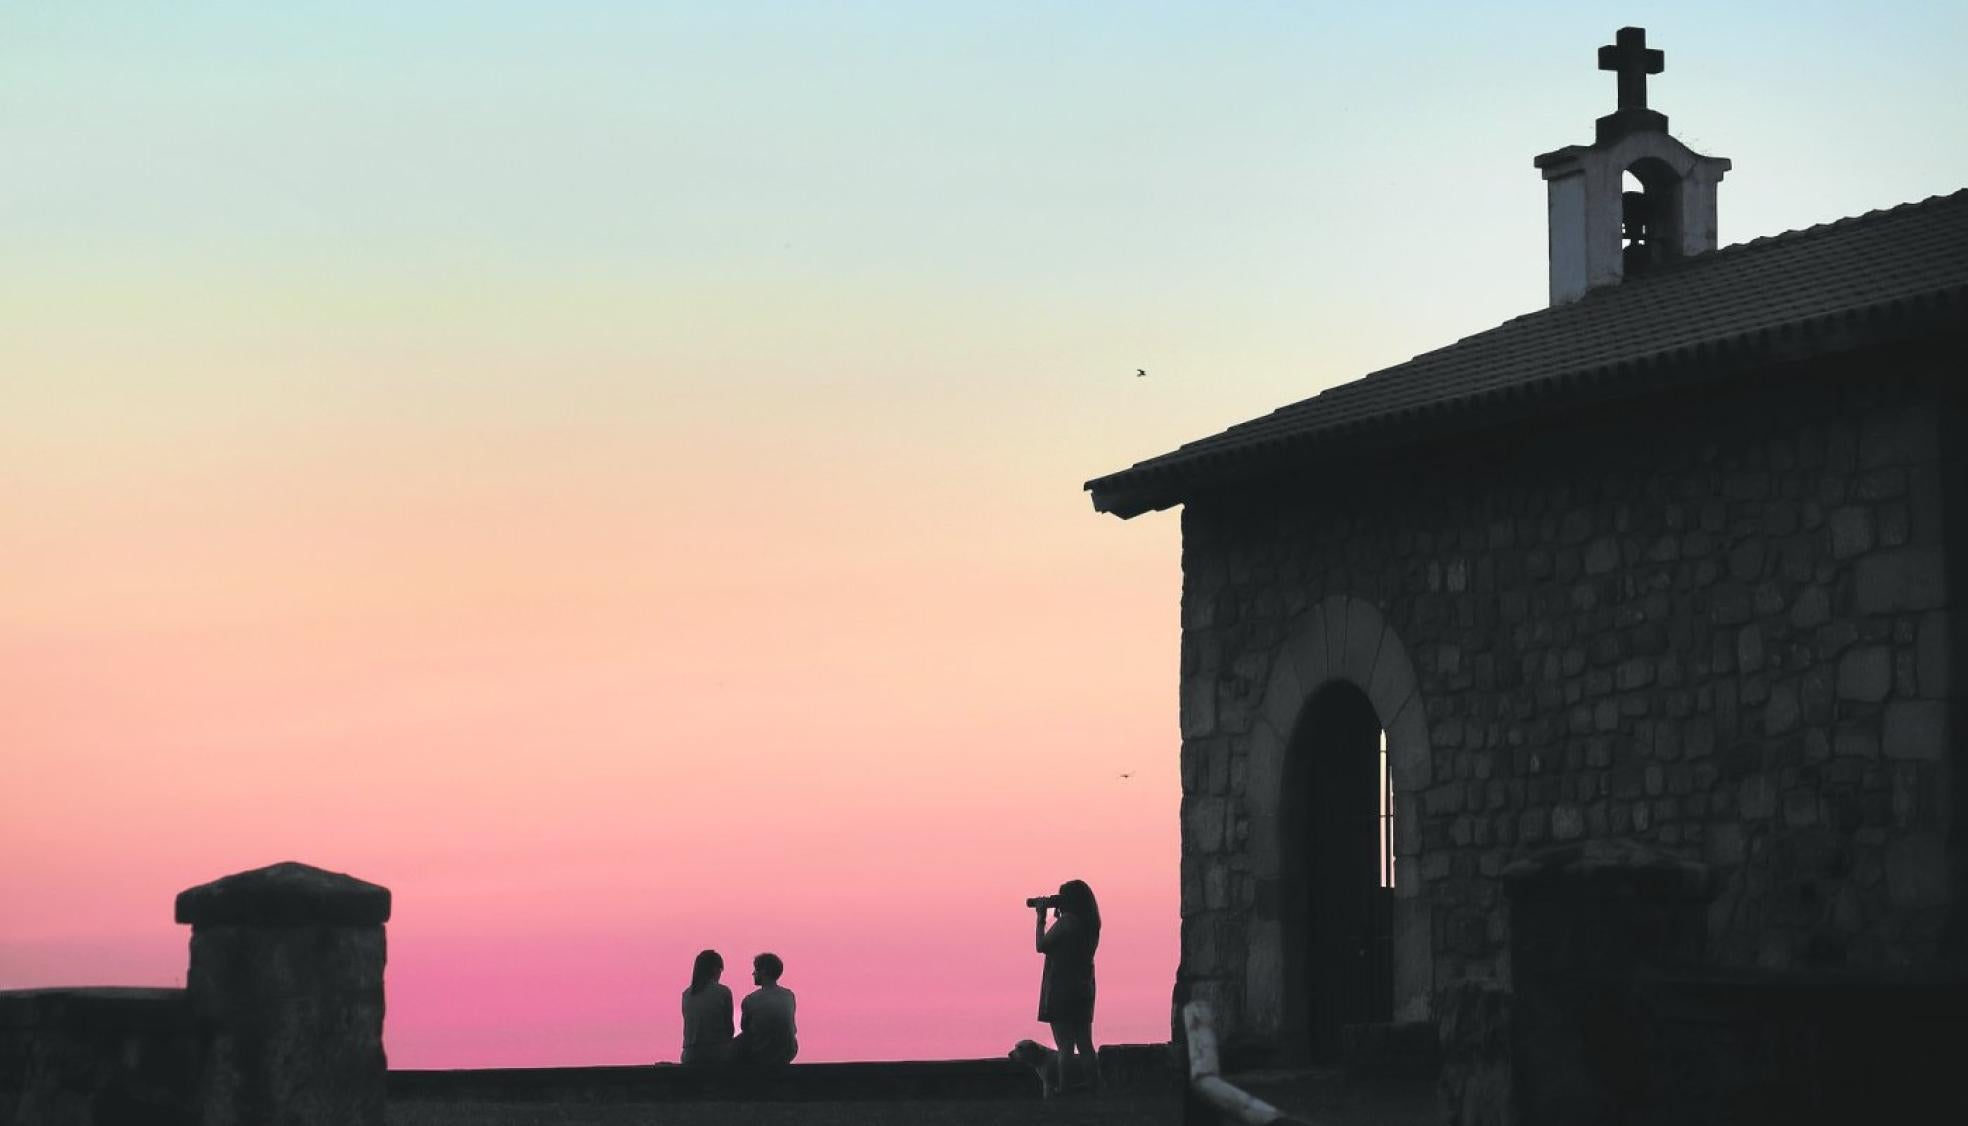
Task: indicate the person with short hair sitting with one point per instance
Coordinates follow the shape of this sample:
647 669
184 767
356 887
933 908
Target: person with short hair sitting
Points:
766 1033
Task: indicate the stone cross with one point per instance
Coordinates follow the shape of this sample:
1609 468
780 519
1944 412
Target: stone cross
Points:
1629 55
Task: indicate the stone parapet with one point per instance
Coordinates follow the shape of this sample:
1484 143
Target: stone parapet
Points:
1477 1066
280 1023
1605 907
285 894
97 1057
286 982
1586 920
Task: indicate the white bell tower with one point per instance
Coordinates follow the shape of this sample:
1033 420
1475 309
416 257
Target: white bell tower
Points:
1602 233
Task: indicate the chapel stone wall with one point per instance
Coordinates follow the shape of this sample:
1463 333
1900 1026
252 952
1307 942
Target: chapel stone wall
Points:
1718 627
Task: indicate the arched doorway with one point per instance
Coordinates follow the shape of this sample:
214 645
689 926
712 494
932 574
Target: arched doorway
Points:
1341 677
1338 868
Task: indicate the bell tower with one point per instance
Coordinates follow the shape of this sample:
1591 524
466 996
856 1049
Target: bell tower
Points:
1600 230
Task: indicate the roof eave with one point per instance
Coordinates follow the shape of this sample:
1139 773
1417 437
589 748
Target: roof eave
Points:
1149 487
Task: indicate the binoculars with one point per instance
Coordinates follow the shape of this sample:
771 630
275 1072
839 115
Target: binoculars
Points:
1043 901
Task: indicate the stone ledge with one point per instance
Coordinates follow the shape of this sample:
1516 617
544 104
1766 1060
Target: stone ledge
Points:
1610 864
1124 1068
285 894
1907 993
97 1007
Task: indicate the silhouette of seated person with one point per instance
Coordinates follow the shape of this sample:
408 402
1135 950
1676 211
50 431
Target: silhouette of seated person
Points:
767 1036
706 1012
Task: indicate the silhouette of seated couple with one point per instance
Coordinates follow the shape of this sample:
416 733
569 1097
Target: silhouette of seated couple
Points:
766 1035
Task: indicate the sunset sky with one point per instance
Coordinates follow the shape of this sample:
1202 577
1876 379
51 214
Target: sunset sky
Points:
610 472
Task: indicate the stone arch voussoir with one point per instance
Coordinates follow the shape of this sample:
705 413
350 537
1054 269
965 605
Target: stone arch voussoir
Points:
1343 638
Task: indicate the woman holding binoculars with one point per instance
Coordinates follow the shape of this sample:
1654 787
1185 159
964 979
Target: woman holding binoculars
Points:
1066 988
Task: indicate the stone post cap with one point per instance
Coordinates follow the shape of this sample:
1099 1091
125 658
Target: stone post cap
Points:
285 894
1609 865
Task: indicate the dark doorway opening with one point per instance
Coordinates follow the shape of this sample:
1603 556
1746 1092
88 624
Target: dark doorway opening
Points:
1339 897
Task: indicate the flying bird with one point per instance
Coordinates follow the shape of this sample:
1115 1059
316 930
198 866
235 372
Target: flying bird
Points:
1129 774
1139 372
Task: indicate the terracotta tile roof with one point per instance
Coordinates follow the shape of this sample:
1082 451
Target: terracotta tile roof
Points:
1781 297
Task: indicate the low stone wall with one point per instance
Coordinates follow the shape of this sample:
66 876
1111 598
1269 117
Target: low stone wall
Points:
1779 1049
281 1021
1586 920
1613 1016
1128 1069
1723 1049
1477 1059
97 1057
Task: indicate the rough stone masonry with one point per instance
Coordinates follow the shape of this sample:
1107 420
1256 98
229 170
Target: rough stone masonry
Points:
1718 625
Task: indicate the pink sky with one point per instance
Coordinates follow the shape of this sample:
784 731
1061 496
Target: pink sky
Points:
611 473
583 727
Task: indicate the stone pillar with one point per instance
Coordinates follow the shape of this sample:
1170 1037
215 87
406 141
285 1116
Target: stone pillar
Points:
1587 921
286 984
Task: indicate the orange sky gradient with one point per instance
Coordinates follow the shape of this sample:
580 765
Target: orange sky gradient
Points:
611 473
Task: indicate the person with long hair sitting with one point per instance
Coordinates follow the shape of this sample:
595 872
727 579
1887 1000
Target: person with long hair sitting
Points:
706 1012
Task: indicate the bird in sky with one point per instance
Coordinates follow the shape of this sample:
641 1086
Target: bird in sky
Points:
1129 774
1139 372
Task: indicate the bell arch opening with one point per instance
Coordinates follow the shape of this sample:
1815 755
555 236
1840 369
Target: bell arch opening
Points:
1650 216
1337 872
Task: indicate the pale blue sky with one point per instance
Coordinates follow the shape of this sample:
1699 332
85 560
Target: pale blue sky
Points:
962 210
1153 150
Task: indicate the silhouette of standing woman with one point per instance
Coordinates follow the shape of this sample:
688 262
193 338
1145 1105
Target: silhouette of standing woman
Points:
1066 989
706 1012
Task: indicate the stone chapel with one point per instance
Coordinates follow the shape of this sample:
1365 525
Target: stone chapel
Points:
1673 560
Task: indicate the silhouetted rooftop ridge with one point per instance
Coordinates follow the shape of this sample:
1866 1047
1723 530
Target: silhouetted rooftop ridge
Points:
1825 281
